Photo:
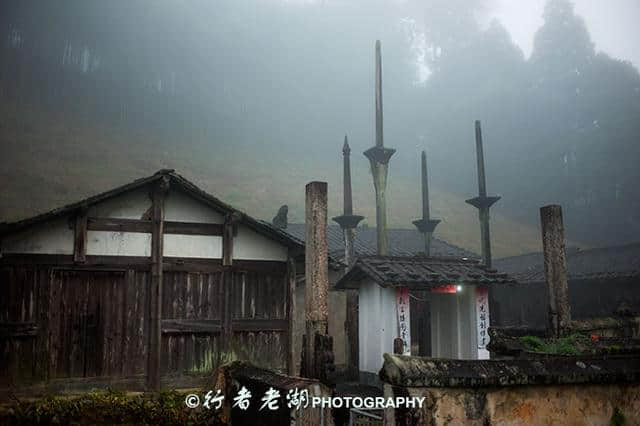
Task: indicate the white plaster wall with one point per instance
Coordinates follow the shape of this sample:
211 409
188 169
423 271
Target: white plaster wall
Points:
377 325
181 207
108 243
249 245
56 237
130 205
200 246
453 324
53 237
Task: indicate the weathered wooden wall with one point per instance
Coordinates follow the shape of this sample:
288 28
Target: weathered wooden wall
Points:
65 322
526 304
151 285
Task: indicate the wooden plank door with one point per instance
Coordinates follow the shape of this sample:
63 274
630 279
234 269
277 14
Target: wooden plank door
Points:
259 318
87 323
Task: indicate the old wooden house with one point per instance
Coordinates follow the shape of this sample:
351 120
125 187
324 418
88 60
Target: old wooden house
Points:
150 284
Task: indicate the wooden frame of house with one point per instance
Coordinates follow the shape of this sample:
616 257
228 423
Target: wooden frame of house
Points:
150 284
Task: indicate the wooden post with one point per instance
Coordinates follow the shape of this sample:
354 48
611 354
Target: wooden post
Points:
317 273
555 268
227 238
230 223
80 236
291 314
155 294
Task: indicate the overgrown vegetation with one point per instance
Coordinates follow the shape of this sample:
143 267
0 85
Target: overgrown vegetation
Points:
574 344
111 407
617 418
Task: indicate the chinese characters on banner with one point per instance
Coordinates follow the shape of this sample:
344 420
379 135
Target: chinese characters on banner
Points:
482 321
404 323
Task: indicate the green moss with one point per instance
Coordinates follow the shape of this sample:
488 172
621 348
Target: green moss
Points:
532 343
617 418
166 408
571 345
612 348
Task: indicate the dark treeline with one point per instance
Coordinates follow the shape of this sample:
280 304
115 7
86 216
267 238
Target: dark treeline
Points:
561 126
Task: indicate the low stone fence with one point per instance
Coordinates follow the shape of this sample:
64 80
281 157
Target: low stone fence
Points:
563 391
290 397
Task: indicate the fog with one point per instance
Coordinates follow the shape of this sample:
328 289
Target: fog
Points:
252 98
612 25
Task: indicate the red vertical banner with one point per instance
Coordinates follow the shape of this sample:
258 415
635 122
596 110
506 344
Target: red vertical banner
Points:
404 319
482 320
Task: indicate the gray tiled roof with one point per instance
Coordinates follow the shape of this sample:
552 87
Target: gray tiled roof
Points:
402 242
421 272
599 263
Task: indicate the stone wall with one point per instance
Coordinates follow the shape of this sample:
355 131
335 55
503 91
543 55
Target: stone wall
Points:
593 404
553 391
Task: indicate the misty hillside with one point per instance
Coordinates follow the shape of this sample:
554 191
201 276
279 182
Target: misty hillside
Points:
251 99
49 164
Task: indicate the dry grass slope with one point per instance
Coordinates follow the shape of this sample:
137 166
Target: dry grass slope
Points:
48 160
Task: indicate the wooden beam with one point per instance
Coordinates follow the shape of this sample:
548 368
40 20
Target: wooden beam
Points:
119 225
291 316
187 228
259 325
189 326
80 236
145 226
191 264
268 266
155 294
18 329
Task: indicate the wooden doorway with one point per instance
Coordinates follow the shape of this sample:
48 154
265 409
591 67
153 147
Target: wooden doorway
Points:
420 316
87 323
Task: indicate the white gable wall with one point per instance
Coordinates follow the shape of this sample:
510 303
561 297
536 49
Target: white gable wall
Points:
56 236
129 205
249 245
53 237
107 243
200 246
181 207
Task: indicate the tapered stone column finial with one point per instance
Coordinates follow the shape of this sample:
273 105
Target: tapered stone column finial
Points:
483 202
426 225
379 157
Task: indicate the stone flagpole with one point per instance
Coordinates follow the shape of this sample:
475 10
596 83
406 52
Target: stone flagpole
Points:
379 158
483 202
348 222
426 225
